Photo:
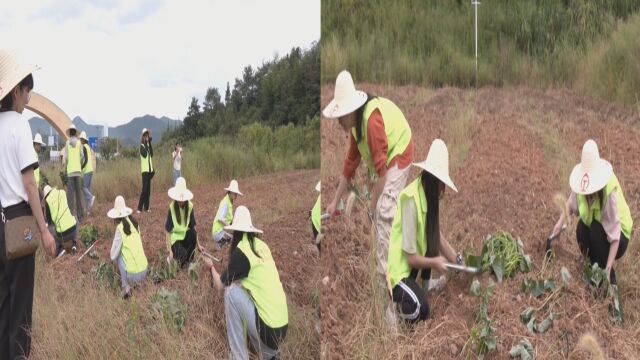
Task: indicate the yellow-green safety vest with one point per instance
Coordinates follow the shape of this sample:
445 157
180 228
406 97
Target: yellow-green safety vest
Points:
315 215
180 230
398 266
228 218
263 284
587 215
132 252
396 128
88 167
73 158
61 216
146 163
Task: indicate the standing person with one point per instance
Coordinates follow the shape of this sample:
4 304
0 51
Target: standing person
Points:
181 224
224 216
416 243
127 248
147 169
37 146
605 226
18 197
62 223
256 307
316 219
74 157
379 135
177 162
88 164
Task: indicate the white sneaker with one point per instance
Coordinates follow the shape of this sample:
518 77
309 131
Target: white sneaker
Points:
137 211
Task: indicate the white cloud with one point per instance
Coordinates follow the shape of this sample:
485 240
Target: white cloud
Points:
111 60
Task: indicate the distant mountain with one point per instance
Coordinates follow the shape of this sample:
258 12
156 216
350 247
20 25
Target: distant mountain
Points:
128 134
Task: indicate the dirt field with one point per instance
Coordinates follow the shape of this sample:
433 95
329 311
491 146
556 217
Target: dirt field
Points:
521 145
279 205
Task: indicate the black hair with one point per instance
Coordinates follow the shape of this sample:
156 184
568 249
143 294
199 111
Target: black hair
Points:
7 103
237 237
360 117
125 224
431 186
176 209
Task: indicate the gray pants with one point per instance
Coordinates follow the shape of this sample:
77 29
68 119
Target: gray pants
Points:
240 310
126 278
74 195
176 175
86 188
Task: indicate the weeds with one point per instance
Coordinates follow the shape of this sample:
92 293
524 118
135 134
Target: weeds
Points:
88 235
601 289
107 276
501 254
524 350
167 304
165 271
483 335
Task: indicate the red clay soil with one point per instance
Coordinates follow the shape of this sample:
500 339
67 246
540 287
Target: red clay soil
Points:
505 183
279 205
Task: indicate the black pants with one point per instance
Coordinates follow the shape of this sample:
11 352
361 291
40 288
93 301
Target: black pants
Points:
16 299
314 231
594 244
411 301
183 249
145 194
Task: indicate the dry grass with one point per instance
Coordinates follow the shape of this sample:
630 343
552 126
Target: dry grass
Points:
459 129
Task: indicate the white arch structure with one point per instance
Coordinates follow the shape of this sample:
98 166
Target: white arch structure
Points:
50 112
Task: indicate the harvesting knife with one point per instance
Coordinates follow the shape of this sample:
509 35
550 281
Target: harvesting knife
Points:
206 254
469 269
553 237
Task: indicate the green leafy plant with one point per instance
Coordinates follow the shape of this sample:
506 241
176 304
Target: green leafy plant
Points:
601 289
483 335
524 350
63 177
528 318
165 271
193 271
106 275
88 235
538 287
168 305
501 254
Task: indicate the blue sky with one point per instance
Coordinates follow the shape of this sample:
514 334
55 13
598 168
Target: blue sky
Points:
111 60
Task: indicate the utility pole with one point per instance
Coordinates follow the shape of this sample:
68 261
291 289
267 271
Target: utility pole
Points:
475 4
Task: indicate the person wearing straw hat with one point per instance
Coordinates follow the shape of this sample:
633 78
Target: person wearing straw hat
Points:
224 216
62 223
37 146
88 164
316 219
127 250
147 170
18 196
73 157
605 225
416 243
380 135
255 304
182 238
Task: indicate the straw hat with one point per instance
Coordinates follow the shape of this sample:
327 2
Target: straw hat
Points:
233 187
119 210
242 221
346 99
12 71
71 127
437 163
592 173
38 139
180 191
318 187
145 130
47 189
83 136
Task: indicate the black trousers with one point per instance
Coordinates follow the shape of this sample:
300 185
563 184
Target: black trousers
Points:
593 244
411 301
145 194
183 249
314 231
16 300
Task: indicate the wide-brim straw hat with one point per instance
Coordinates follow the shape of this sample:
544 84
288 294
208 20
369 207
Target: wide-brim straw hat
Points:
437 163
12 71
318 187
38 139
180 191
47 189
346 99
592 173
145 130
233 187
242 221
83 136
71 127
120 209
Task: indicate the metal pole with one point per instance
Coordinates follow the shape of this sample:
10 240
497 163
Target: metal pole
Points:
475 4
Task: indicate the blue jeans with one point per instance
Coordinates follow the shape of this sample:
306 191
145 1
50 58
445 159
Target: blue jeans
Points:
176 175
86 188
127 278
240 310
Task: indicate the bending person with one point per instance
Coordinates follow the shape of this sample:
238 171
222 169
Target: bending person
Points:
224 216
181 224
63 225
